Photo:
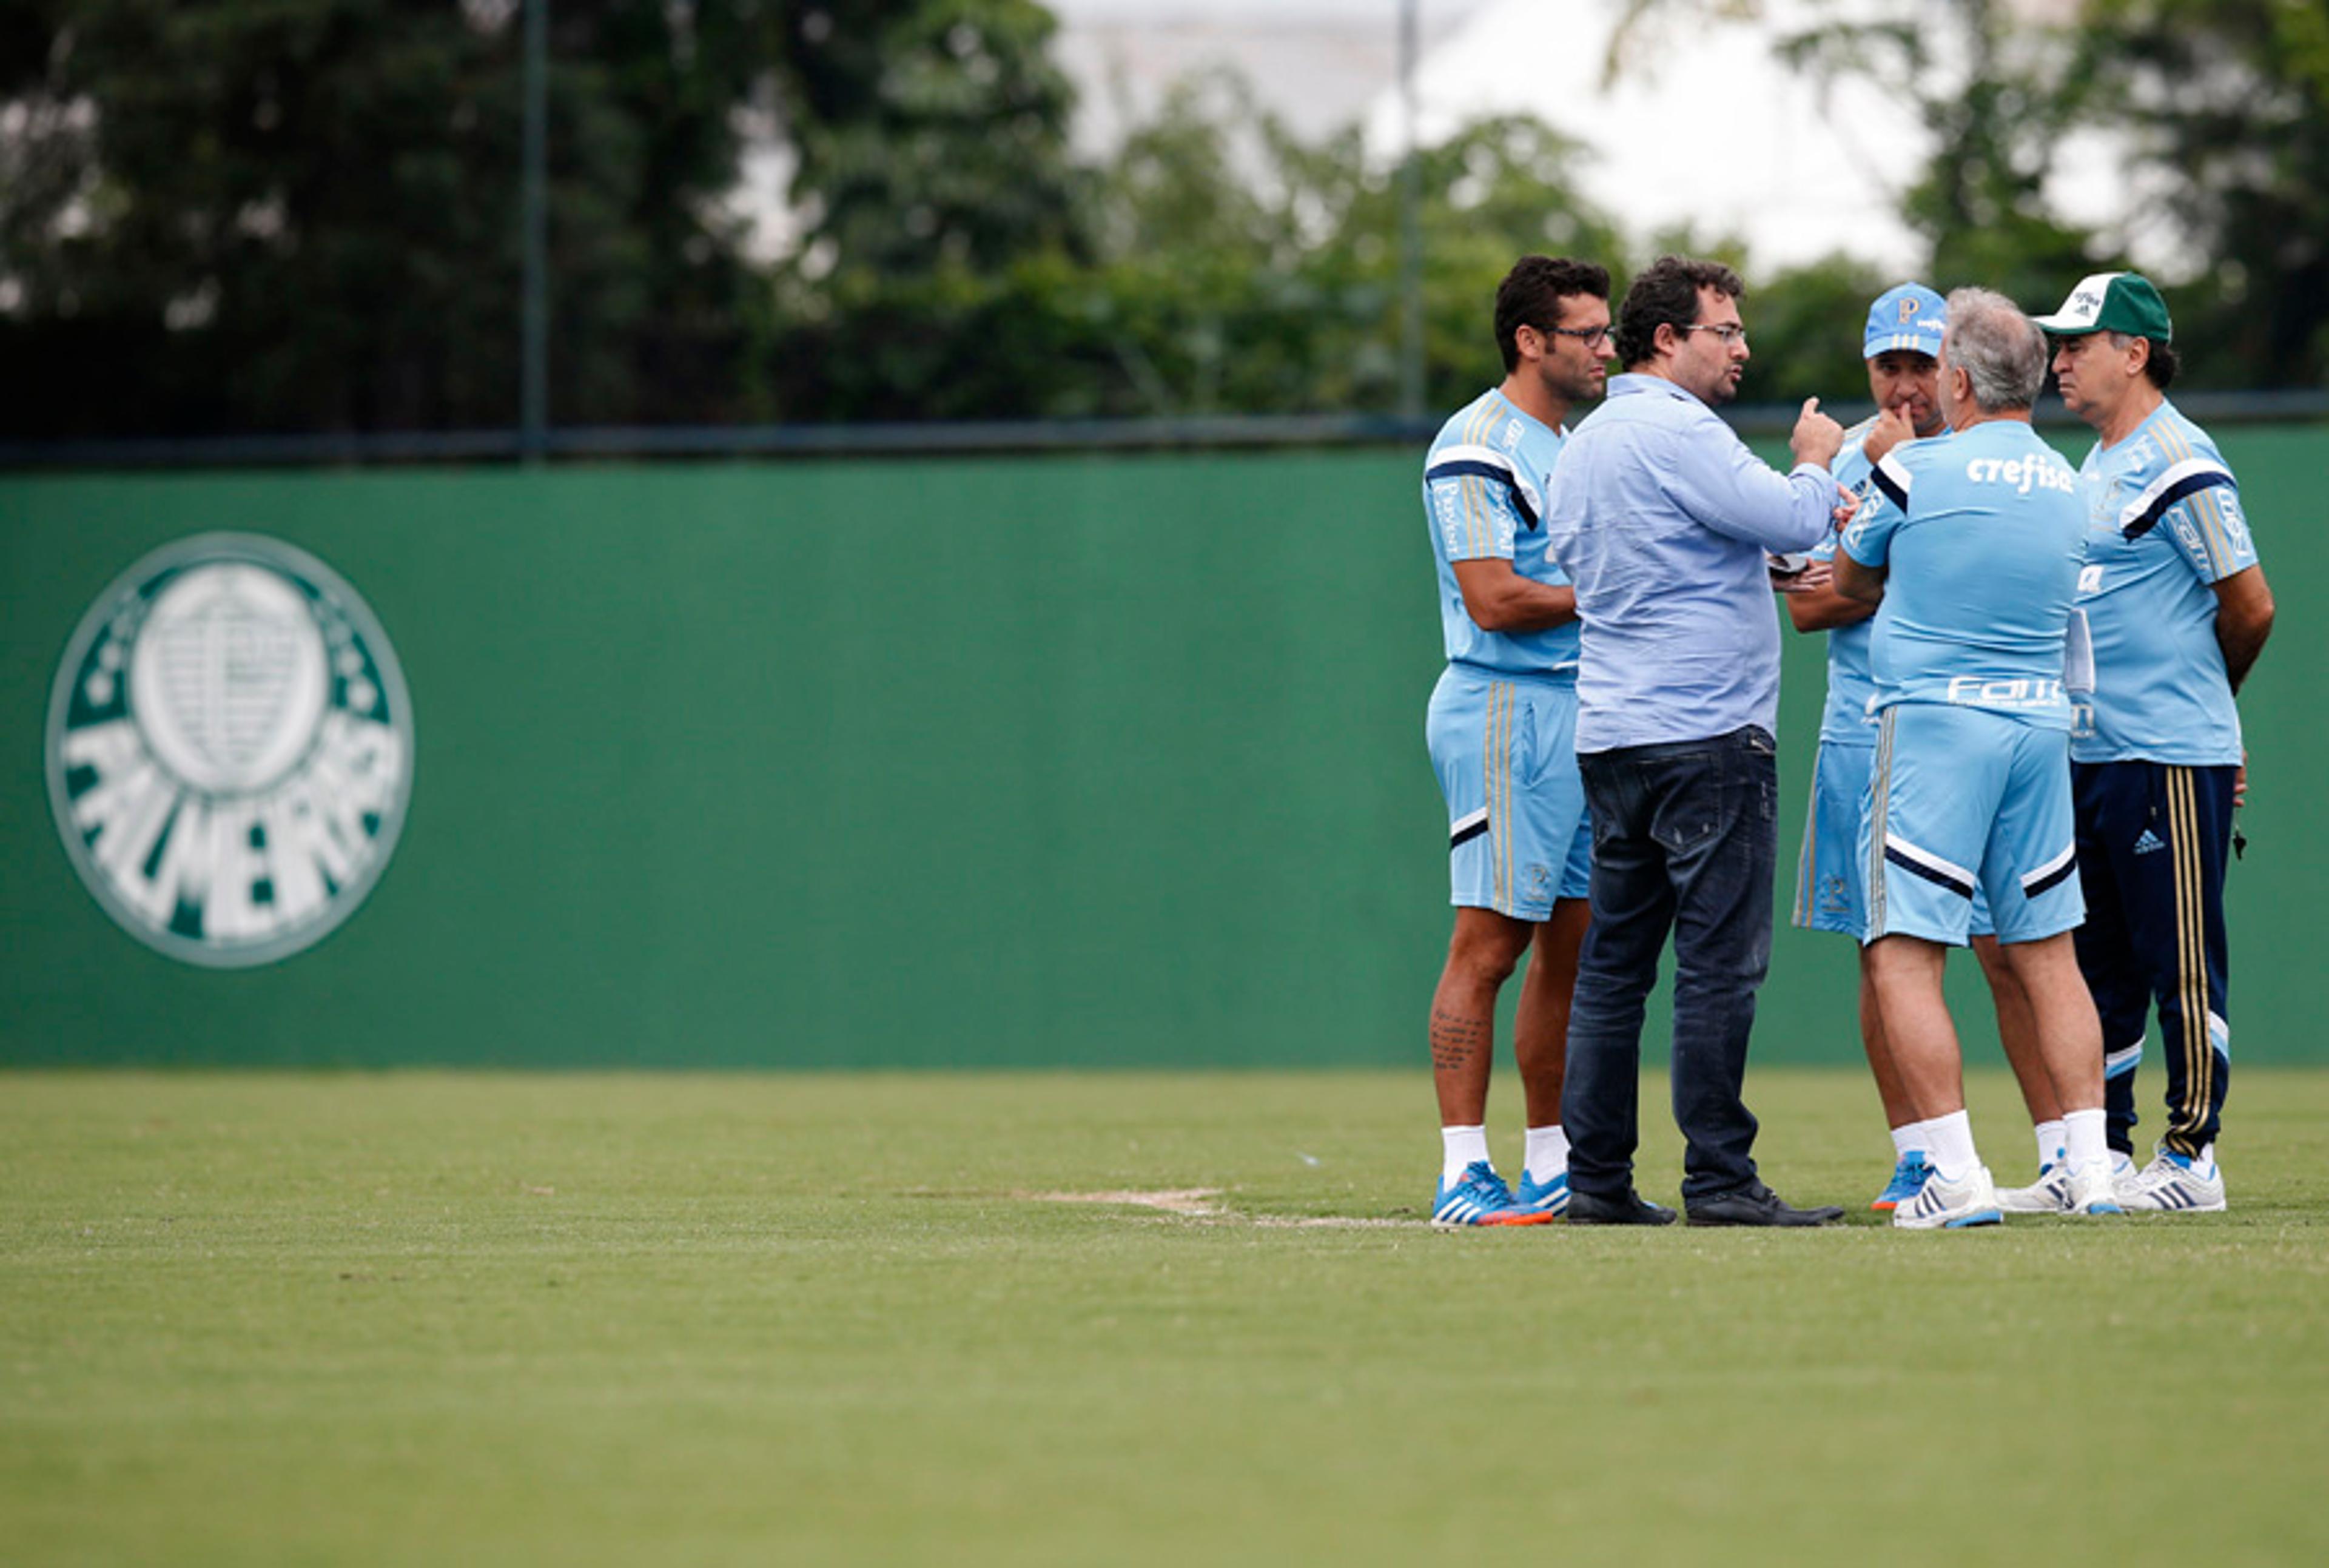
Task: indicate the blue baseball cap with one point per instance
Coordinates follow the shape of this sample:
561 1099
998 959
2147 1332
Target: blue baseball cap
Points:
1906 316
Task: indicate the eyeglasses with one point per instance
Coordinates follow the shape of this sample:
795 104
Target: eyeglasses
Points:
1590 337
1729 332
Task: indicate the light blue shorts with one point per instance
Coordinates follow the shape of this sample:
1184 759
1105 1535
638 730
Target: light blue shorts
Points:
1505 751
1828 870
1962 802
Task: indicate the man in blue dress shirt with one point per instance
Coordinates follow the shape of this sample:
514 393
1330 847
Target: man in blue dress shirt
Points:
1662 518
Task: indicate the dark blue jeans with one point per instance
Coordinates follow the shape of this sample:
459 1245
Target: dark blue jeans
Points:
1684 835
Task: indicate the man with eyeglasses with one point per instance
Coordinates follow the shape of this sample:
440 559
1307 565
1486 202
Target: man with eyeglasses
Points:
1500 728
2178 610
1662 518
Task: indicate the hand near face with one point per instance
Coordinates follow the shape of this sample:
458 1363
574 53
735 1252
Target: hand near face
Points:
1892 428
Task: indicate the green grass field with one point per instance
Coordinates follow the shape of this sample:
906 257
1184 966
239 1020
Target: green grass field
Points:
673 1319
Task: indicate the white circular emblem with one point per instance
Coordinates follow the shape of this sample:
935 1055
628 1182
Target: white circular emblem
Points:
230 750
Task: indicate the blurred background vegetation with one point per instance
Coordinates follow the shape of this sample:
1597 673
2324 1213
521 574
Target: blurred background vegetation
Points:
303 215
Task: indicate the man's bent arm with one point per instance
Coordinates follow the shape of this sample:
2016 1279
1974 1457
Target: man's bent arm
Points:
2243 620
1731 491
1826 608
1864 584
1499 598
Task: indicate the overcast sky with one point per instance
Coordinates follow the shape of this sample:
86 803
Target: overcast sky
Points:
1712 130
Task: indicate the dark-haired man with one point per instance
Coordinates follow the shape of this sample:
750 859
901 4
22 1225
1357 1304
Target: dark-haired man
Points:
1662 518
2177 608
1501 728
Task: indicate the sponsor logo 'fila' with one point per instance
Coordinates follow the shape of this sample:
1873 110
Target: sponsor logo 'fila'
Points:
230 751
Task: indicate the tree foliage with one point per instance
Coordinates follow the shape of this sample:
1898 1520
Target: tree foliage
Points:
1992 96
303 213
2227 104
263 215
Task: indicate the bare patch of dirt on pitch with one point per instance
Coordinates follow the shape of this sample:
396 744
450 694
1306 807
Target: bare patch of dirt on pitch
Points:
1194 1203
1202 1203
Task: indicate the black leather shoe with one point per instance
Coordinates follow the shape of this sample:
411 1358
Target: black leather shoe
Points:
1754 1204
1628 1209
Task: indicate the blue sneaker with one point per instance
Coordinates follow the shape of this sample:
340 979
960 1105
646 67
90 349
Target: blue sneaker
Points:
1480 1197
1908 1181
1551 1198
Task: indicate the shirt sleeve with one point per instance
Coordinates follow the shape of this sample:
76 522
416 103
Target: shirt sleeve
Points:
1479 501
1868 538
2195 502
2212 534
1727 488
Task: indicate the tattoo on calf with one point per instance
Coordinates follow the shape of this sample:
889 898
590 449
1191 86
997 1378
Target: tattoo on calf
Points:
1455 1040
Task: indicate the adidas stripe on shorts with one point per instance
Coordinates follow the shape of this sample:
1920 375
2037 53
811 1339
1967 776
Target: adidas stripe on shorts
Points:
1962 799
1505 750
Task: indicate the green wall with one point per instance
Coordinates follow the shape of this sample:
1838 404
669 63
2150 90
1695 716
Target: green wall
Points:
1075 762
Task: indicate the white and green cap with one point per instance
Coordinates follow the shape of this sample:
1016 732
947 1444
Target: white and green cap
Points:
2112 302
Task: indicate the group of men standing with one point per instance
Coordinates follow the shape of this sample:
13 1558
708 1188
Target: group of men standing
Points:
2030 740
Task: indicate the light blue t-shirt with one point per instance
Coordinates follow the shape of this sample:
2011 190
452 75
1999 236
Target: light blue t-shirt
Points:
1483 497
1847 719
1660 516
2164 525
1983 543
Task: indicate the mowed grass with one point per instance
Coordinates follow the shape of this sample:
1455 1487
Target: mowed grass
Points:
674 1320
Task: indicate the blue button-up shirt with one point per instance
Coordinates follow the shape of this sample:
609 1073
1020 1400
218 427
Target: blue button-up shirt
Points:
1661 516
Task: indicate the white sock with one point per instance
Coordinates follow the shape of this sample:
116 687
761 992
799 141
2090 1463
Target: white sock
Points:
2083 1141
1908 1138
1460 1146
2050 1143
2121 1163
1949 1140
1548 1153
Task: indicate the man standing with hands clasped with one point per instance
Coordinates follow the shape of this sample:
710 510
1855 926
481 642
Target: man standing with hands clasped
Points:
1976 563
1662 518
2178 609
1500 727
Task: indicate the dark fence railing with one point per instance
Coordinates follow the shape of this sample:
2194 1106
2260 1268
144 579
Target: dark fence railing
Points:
927 440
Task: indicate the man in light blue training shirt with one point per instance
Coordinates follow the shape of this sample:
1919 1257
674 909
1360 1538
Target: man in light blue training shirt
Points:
1662 518
1502 730
1976 560
1901 343
2179 610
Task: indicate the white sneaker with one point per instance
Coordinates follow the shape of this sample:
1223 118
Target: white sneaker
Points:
2049 1194
1944 1206
2092 1191
2177 1184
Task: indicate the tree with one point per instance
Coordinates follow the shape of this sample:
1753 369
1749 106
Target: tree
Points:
2228 101
1991 93
303 215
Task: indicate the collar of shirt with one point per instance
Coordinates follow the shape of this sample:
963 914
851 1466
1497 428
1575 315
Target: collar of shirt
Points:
1635 381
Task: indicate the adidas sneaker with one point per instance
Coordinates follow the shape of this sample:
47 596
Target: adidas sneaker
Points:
2177 1184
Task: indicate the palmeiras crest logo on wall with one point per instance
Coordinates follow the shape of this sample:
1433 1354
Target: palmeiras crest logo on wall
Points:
230 750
